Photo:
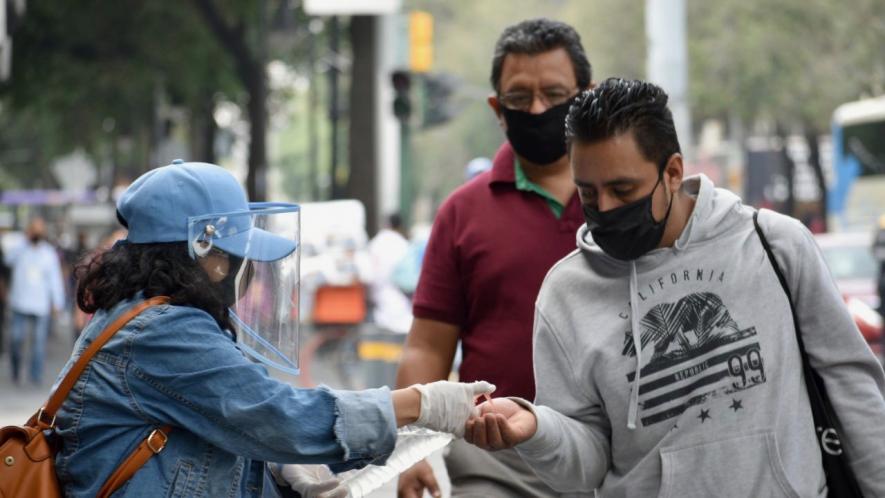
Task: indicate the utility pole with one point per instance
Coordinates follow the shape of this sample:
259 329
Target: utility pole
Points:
363 137
668 61
5 45
11 12
420 62
371 145
334 106
402 109
387 178
314 27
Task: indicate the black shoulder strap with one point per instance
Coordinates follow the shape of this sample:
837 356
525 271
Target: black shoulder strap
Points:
783 280
841 480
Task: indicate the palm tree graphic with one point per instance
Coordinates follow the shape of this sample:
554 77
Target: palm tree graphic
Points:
677 329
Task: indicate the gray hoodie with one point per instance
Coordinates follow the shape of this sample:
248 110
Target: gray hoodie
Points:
719 406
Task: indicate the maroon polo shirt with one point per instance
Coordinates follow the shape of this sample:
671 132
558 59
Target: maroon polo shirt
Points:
489 250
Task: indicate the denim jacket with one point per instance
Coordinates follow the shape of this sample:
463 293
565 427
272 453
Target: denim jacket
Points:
174 365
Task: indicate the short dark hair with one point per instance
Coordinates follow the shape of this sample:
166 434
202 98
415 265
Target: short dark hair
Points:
157 269
536 36
395 221
617 106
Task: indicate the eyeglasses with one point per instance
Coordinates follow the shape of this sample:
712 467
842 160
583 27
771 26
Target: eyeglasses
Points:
522 101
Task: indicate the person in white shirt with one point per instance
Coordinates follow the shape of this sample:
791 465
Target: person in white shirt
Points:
391 308
36 292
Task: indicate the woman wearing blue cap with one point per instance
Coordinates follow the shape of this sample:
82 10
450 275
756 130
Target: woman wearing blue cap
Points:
219 281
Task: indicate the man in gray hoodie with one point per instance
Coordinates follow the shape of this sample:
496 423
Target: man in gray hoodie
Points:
712 402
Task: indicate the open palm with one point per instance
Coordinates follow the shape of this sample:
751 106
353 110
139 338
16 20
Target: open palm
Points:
501 424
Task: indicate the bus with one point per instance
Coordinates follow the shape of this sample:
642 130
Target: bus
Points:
857 199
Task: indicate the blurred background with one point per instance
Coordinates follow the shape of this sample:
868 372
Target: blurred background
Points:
363 109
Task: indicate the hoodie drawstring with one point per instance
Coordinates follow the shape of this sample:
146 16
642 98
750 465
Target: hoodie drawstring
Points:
637 345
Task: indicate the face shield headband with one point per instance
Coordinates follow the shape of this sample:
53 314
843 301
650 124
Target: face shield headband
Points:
263 279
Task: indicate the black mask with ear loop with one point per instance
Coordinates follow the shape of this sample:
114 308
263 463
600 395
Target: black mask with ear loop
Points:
228 283
540 138
629 231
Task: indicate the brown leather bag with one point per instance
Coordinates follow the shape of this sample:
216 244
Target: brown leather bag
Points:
27 455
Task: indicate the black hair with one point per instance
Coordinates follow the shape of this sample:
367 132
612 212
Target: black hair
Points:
536 36
617 106
395 221
159 269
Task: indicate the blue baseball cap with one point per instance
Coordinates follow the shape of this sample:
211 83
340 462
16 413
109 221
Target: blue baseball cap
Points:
162 205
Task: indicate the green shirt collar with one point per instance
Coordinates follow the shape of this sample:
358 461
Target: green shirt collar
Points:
523 183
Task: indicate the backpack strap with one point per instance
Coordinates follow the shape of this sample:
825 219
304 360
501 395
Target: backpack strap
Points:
64 388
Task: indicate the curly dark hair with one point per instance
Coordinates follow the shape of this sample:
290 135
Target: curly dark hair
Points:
159 269
617 106
535 36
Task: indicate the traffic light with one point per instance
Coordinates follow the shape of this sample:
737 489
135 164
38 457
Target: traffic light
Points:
435 93
420 41
402 101
438 105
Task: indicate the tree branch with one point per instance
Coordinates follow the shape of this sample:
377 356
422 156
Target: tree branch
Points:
232 38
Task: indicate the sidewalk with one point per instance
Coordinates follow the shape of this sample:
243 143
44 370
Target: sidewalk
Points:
18 403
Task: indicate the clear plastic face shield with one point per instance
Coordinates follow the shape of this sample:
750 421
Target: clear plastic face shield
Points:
254 256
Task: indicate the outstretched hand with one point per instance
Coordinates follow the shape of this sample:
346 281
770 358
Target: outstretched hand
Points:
501 424
446 406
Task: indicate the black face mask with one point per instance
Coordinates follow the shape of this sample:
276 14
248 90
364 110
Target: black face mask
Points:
629 231
228 283
540 138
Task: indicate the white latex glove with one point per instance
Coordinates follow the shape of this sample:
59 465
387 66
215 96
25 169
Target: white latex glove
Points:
313 481
446 406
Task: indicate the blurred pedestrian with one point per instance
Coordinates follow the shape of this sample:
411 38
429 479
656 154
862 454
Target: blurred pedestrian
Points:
492 242
220 288
476 166
391 308
408 270
36 292
668 346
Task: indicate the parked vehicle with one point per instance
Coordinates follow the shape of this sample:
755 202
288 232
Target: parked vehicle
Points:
851 262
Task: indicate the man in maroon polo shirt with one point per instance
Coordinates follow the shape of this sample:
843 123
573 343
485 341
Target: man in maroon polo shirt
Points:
493 241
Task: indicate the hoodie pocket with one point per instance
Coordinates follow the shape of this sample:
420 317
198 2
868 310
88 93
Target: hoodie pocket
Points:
740 467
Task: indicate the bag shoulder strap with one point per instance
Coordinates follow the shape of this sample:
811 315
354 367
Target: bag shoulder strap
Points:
783 281
150 446
64 388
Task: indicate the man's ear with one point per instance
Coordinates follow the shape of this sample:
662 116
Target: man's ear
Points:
495 104
675 171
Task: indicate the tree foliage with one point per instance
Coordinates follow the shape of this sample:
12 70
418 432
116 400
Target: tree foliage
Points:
785 61
91 74
791 61
88 73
